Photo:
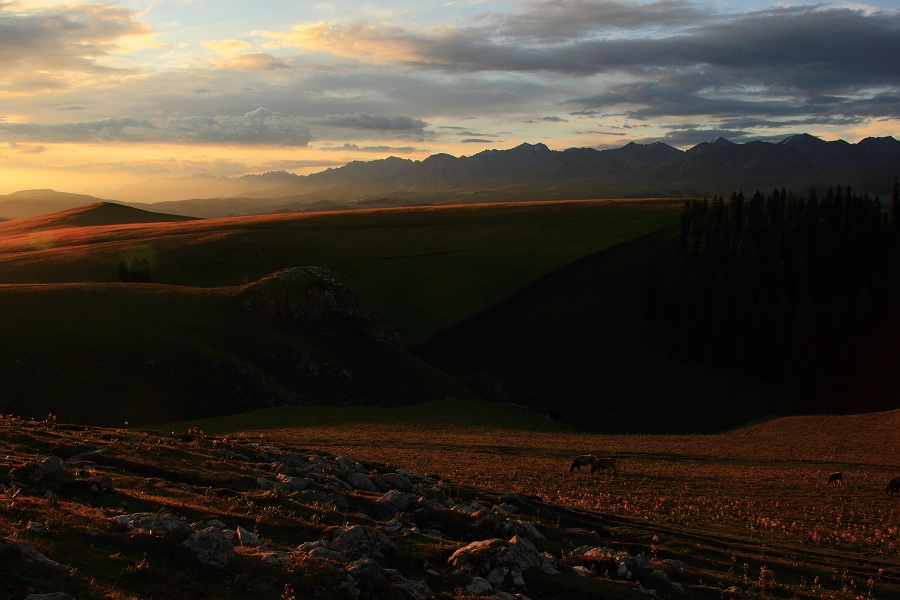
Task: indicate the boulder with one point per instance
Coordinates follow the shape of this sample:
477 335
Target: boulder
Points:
360 481
158 523
392 481
479 587
247 538
211 547
32 555
362 541
393 502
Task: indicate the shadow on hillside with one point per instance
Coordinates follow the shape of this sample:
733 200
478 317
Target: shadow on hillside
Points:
578 345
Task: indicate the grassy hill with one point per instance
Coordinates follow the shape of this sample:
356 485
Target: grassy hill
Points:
84 348
419 270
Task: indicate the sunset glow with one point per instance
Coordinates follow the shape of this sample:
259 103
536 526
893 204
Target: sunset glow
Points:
95 96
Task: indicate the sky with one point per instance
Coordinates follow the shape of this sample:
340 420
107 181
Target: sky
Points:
97 95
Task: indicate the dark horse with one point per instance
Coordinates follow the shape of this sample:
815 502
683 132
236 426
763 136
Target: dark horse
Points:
585 460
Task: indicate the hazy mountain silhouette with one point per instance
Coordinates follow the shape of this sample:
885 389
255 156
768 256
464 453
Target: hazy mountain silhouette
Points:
526 172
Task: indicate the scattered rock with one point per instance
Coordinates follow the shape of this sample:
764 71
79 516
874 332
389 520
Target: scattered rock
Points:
247 538
360 482
479 587
393 502
36 528
392 481
30 554
158 523
211 547
362 541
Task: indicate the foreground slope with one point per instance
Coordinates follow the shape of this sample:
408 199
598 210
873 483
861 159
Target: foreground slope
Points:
113 513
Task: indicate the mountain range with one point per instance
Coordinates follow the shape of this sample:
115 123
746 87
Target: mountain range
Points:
526 172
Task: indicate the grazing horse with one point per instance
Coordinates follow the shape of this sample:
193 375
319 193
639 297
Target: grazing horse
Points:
893 487
581 461
608 462
836 478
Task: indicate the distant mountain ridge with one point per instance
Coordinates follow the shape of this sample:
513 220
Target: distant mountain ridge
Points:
526 172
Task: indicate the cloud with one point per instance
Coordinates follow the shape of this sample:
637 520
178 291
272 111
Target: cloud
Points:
367 121
258 127
59 40
374 149
477 141
26 148
672 58
560 21
250 62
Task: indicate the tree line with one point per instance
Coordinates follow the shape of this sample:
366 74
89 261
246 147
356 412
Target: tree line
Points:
803 292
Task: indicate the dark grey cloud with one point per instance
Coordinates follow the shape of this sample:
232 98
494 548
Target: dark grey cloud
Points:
122 129
677 58
691 137
554 21
375 149
258 127
368 121
477 141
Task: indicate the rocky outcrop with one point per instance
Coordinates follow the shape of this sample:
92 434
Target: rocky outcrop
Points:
312 296
353 529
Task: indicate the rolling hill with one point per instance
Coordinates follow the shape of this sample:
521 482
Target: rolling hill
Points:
142 353
548 298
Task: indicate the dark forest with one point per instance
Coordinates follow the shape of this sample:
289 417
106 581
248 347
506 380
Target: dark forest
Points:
802 292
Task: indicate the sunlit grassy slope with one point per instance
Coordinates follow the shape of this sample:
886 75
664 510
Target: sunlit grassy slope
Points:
420 270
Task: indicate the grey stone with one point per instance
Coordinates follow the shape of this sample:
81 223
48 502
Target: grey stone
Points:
392 481
159 523
247 538
359 481
479 587
362 541
40 560
211 547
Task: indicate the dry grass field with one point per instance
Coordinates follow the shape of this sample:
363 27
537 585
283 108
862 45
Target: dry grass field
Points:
750 505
